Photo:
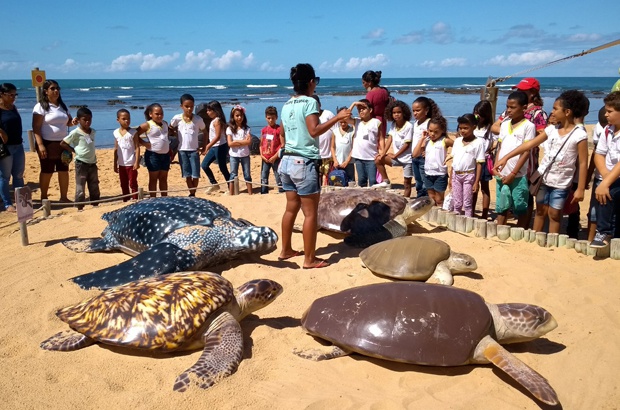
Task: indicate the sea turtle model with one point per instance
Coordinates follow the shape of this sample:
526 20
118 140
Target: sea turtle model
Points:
170 234
176 312
369 215
416 258
428 324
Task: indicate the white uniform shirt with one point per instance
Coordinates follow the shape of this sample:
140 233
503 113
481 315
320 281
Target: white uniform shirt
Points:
188 131
126 151
562 170
434 162
465 157
418 130
343 142
399 138
158 137
609 146
511 138
325 139
240 135
366 141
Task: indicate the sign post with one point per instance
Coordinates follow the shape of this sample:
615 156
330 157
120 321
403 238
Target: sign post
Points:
23 204
38 78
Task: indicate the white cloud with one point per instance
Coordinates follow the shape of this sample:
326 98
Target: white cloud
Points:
378 33
409 38
355 63
207 60
580 37
526 59
453 62
441 33
428 64
145 62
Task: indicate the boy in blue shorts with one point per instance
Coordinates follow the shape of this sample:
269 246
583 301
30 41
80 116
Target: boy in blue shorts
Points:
607 161
187 127
512 187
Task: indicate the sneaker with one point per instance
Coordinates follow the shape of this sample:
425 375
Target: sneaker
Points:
600 240
384 184
212 188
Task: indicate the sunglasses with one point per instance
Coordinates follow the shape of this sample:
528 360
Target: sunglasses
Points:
10 95
55 88
317 80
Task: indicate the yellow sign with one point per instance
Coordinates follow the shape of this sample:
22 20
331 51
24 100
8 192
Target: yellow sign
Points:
38 78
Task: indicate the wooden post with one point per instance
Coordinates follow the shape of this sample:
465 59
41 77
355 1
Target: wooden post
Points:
516 233
441 217
23 230
491 229
433 215
461 221
570 243
480 228
469 224
603 253
140 194
47 207
614 249
562 240
451 221
236 186
31 141
552 240
582 246
541 238
503 232
427 216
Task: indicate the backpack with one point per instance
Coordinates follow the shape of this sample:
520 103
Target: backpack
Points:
338 177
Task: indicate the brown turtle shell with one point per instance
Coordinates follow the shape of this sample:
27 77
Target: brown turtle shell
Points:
406 322
160 313
334 206
408 257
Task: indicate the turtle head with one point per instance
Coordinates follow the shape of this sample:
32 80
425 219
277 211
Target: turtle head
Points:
520 322
256 239
461 263
256 294
416 208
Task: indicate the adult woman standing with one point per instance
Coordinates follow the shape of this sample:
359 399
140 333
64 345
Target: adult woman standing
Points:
50 119
11 134
298 167
379 97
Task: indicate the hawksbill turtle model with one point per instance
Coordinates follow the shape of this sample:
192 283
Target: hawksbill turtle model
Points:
431 325
170 234
369 215
416 258
176 312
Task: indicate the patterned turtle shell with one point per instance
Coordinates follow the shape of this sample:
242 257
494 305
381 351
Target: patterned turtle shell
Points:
162 313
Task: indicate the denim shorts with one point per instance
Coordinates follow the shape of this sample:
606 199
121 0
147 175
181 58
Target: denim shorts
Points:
299 174
438 183
156 162
554 197
190 164
593 201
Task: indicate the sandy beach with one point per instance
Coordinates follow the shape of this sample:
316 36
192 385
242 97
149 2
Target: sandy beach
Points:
581 358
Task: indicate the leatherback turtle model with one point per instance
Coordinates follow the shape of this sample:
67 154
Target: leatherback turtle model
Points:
416 258
176 312
431 325
369 215
170 234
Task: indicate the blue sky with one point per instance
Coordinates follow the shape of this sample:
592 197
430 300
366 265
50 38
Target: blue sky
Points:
253 39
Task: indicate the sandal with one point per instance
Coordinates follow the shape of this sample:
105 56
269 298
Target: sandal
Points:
322 264
295 253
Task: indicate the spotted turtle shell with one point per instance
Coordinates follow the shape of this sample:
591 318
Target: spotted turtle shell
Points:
408 257
406 322
159 313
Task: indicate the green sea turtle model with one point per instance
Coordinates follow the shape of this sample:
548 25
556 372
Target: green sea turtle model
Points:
175 312
416 258
431 325
369 216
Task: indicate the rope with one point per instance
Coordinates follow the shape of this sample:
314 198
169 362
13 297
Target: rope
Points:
583 53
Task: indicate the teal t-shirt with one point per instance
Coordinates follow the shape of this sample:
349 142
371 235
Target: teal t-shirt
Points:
296 135
83 144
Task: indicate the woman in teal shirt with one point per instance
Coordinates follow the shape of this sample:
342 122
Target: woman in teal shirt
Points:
298 167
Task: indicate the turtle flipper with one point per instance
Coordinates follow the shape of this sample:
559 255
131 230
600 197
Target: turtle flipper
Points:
160 259
221 355
442 275
519 371
67 341
317 355
87 245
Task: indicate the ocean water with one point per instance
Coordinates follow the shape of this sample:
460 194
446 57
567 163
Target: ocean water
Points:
455 96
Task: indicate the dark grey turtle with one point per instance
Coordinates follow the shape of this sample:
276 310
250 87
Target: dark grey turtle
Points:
176 312
369 215
416 258
170 234
431 325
